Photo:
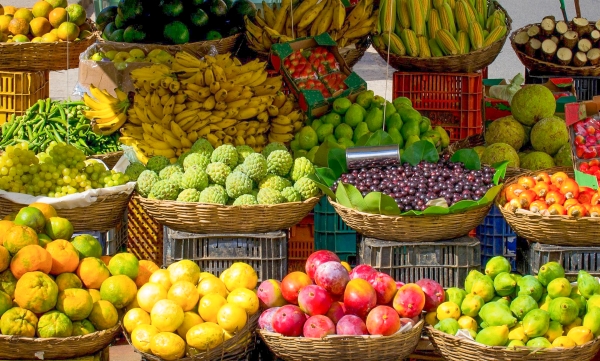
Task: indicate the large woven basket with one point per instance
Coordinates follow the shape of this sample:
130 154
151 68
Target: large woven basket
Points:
28 348
110 159
545 67
464 63
104 214
346 348
424 228
453 348
555 230
198 48
234 349
214 218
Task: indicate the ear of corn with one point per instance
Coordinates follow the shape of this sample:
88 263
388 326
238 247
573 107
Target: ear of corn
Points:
424 51
462 15
387 15
447 20
435 48
393 44
409 38
464 45
434 24
402 13
417 17
476 36
426 6
446 42
481 6
495 35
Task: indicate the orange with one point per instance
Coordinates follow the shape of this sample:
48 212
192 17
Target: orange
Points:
106 260
54 324
184 270
166 315
58 227
124 264
149 294
119 290
31 217
19 39
4 258
37 39
68 31
190 319
104 315
64 256
245 298
18 322
58 3
134 318
209 305
6 302
10 216
92 272
95 295
75 303
57 17
29 259
43 239
68 280
18 237
185 294
4 226
87 246
8 283
83 327
41 9
212 285
132 304
1 10
141 336
46 209
205 336
162 278
37 292
239 275
24 13
10 10
232 318
4 21
76 14
18 27
168 346
49 38
146 269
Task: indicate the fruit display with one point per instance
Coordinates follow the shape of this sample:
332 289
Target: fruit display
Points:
50 121
59 171
566 43
182 311
173 21
282 22
352 121
229 175
586 145
499 308
532 137
56 285
135 55
552 194
48 21
331 299
423 29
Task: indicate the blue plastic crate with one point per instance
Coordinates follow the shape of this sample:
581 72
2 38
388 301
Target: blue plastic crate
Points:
331 233
497 238
586 87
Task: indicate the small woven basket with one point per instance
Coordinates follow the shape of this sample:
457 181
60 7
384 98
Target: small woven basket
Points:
29 348
555 230
453 348
214 218
234 349
544 67
424 228
110 159
346 348
198 48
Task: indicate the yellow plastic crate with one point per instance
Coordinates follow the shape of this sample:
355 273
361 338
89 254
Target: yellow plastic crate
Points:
19 90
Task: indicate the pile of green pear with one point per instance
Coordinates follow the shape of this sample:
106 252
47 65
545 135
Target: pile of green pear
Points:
136 55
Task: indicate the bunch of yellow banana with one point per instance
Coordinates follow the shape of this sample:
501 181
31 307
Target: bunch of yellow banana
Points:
309 18
286 120
107 113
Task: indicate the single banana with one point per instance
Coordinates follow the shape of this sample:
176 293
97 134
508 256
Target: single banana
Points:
311 15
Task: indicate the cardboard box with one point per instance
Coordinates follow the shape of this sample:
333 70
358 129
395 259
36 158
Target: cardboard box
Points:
312 102
574 113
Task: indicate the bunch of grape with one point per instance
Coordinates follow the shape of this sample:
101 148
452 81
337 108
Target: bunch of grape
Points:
60 171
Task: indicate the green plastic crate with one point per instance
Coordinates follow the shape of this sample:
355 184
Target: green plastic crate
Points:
332 233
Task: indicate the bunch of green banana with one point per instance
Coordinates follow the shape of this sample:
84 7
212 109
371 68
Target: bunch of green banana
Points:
107 113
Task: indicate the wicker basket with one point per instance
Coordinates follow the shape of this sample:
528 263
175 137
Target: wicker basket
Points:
453 348
424 228
23 348
234 349
110 159
346 348
544 67
198 48
464 63
214 218
56 56
555 230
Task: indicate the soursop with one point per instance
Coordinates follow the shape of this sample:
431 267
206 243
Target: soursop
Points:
271 147
217 173
549 134
245 199
243 151
255 166
237 184
169 170
145 182
197 160
134 170
213 194
269 196
226 154
274 182
291 195
532 103
157 163
301 168
505 130
537 161
307 188
279 162
165 189
189 195
194 178
500 152
563 157
202 146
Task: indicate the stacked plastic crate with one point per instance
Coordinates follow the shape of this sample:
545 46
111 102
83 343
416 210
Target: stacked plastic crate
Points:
497 238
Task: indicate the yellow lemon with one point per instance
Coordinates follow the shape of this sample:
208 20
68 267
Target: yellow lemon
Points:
149 294
209 305
240 275
205 336
212 285
246 299
190 319
185 294
184 270
168 346
141 336
161 277
134 318
166 315
232 318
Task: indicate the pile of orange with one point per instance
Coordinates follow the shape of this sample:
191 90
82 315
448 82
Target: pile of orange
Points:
48 21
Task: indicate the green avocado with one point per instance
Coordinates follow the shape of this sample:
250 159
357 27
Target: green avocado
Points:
213 35
108 30
172 8
117 36
199 18
176 32
133 35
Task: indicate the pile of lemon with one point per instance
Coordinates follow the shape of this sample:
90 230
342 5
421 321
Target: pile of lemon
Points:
182 310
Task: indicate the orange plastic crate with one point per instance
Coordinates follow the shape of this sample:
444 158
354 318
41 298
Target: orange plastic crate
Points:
301 243
19 90
144 234
452 100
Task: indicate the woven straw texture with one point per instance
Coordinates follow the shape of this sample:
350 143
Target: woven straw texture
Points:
110 159
215 218
198 48
423 228
23 348
346 348
544 67
236 348
104 214
453 348
464 63
555 230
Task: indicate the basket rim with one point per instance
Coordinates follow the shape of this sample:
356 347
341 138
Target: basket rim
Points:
215 206
195 43
95 34
37 340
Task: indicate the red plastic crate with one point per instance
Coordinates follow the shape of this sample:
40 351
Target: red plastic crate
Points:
301 243
452 100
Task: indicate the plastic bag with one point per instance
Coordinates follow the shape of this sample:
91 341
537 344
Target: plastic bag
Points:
506 92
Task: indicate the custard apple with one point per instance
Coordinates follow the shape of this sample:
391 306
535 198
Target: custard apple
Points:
168 171
307 188
182 157
271 147
227 154
134 170
279 162
269 196
291 195
157 163
239 168
213 194
194 178
217 173
145 182
301 167
243 151
245 199
197 160
202 146
274 182
189 195
165 189
255 166
176 177
237 184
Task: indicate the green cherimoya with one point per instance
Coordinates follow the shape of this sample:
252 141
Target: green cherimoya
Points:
202 146
245 200
307 188
274 182
549 134
134 170
255 166
176 177
532 103
271 147
505 130
189 195
194 178
169 170
197 160
145 182
537 161
217 173
243 151
213 194
227 154
301 168
291 195
157 163
269 196
237 184
165 189
279 162
500 152
563 157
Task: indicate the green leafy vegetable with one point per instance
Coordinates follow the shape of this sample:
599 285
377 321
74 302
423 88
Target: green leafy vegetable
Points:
420 151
